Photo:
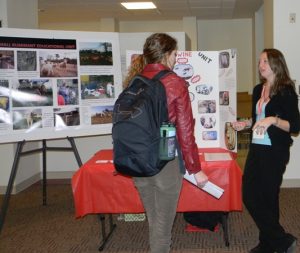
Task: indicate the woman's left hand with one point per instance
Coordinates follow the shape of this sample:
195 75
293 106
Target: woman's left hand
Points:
262 125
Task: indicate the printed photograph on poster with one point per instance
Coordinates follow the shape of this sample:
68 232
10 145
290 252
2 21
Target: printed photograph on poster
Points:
95 53
26 61
97 86
101 114
58 63
66 116
224 97
209 135
67 92
7 60
32 92
186 71
224 60
27 119
208 121
204 89
206 106
4 102
230 136
4 95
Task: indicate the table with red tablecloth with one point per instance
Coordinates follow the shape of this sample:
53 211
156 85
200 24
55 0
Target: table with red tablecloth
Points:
98 189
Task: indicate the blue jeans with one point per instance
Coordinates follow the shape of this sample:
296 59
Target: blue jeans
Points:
160 195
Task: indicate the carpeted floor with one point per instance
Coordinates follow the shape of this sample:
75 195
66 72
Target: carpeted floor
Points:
31 227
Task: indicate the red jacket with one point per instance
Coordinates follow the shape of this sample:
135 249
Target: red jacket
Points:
180 113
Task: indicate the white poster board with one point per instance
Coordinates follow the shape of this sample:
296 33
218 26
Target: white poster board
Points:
211 77
55 84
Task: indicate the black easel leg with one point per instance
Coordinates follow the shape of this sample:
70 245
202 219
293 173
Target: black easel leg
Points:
44 173
73 145
225 228
10 183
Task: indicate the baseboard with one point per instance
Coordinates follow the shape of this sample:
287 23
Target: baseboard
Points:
61 177
22 185
291 183
64 177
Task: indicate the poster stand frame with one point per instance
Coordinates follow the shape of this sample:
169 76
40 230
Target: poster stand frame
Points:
14 170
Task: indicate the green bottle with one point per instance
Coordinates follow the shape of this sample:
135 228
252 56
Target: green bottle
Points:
167 143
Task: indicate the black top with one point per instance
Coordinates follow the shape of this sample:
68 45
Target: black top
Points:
285 106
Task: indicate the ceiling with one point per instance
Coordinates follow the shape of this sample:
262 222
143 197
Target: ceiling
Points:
94 10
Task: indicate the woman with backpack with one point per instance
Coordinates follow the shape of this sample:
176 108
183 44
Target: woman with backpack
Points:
160 193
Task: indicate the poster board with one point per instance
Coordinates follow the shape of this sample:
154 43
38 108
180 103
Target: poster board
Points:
55 84
211 78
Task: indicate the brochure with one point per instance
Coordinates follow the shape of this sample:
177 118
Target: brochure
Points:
209 187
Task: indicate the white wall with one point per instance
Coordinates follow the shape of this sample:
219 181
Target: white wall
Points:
259 40
150 26
223 34
72 26
286 39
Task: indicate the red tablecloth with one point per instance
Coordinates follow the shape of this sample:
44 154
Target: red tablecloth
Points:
98 189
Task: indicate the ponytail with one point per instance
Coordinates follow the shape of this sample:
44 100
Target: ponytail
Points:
136 67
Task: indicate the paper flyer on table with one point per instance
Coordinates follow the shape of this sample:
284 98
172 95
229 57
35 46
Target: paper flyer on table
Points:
209 187
217 157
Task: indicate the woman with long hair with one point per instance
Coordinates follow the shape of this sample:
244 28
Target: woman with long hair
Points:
275 117
160 193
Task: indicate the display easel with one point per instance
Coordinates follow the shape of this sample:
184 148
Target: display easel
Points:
14 170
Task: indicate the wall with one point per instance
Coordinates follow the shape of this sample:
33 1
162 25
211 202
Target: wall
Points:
259 41
223 34
150 26
269 23
72 26
286 39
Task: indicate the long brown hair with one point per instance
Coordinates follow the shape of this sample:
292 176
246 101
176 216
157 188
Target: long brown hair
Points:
137 65
279 67
157 46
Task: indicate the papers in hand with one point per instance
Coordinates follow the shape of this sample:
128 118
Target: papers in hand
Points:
257 135
209 187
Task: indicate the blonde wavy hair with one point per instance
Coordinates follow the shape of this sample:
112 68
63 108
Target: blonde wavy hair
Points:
136 67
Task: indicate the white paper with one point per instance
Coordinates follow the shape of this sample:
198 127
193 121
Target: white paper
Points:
256 135
217 156
209 187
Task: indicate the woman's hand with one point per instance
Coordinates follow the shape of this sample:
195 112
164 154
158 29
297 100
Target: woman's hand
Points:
238 125
201 178
262 125
241 124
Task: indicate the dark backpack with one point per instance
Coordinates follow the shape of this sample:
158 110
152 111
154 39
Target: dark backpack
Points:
208 220
138 114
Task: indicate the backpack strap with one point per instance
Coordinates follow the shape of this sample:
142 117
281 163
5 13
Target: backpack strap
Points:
161 74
